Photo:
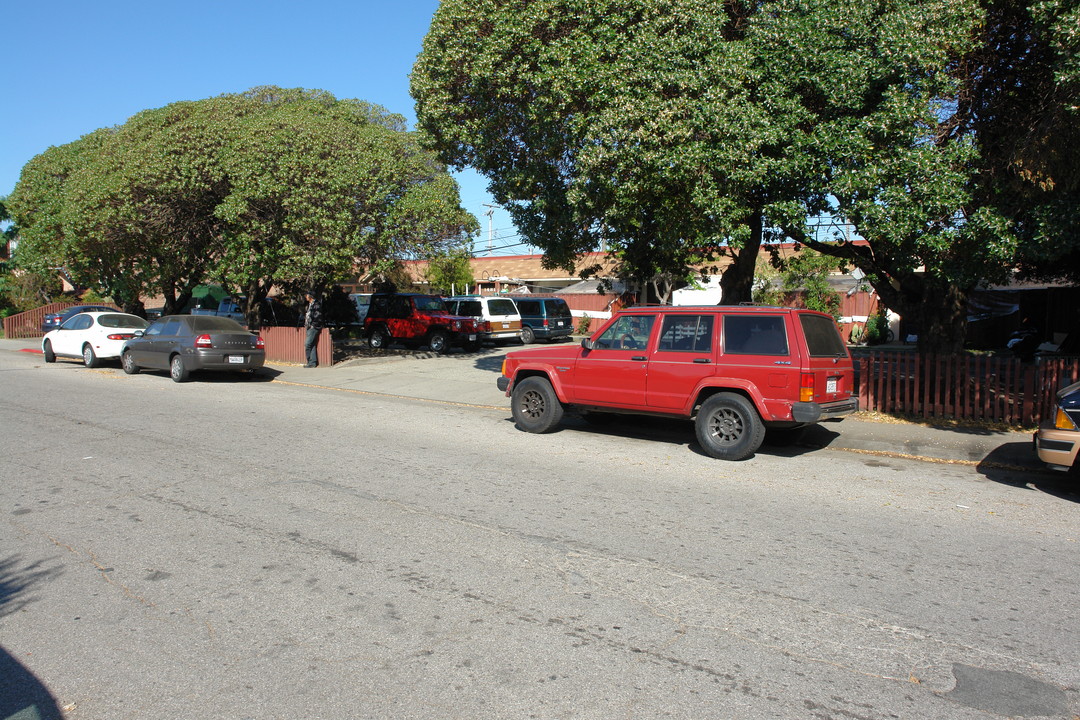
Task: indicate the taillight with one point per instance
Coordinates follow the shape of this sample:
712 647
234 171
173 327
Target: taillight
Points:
545 322
806 387
119 336
260 344
204 342
1063 422
486 326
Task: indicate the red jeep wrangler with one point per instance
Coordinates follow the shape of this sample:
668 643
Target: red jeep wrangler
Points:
735 370
415 320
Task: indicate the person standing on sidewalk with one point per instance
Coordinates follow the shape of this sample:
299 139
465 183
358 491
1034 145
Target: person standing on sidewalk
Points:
313 322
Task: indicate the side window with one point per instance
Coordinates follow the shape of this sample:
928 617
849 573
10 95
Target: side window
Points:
78 322
528 307
755 335
155 328
172 327
379 307
451 306
687 333
471 308
630 332
399 307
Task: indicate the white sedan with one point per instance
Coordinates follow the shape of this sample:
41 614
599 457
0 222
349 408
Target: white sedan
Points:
92 336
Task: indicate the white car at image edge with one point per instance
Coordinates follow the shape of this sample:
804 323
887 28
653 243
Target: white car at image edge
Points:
91 336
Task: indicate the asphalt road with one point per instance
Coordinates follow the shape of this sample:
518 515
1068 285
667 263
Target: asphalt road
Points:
255 549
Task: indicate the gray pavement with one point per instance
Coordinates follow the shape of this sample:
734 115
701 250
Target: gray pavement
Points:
469 378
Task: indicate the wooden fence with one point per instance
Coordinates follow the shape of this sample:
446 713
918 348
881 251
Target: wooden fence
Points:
286 344
963 387
28 324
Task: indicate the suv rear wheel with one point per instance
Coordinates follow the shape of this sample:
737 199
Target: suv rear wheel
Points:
378 339
535 406
528 337
728 427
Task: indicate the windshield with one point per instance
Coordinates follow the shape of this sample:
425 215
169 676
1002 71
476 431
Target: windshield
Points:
430 304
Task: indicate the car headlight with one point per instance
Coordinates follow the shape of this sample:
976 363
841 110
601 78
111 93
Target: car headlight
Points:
1063 421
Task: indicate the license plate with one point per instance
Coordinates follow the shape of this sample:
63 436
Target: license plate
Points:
472 337
831 385
506 325
236 359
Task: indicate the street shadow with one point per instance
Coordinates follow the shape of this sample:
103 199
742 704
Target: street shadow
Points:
1016 464
22 695
670 431
490 363
16 581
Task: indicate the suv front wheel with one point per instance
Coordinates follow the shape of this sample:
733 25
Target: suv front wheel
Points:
728 427
535 406
439 341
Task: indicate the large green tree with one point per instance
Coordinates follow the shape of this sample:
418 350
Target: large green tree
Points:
642 128
908 106
679 133
268 186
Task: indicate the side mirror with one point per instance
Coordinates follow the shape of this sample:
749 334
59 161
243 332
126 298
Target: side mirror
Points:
587 344
139 333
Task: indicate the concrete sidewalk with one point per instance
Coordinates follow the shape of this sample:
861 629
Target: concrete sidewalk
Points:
469 378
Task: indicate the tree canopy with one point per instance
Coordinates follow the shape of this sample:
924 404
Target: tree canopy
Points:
675 134
269 186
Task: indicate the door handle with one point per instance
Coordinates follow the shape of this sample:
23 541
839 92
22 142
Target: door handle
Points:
702 361
639 358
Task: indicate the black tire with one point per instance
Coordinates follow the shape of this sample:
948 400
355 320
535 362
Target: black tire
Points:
178 371
474 345
378 339
535 406
89 359
528 337
438 341
47 351
128 363
729 427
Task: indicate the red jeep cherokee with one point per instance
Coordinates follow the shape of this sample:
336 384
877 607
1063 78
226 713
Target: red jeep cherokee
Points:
735 370
415 320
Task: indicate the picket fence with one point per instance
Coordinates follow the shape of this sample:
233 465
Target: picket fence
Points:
963 387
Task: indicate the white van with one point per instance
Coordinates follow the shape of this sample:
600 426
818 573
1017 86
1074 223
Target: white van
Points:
497 317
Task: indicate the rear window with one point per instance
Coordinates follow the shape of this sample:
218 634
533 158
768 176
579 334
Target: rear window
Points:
502 307
822 337
557 308
209 323
121 321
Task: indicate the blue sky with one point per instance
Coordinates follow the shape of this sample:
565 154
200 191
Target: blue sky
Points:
73 67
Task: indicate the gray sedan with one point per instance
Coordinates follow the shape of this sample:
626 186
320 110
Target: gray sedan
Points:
182 344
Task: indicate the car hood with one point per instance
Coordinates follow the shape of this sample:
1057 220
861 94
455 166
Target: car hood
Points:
565 353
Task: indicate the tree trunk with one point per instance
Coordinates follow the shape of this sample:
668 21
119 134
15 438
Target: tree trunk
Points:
942 318
737 280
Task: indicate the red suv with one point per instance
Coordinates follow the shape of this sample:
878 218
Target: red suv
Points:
735 370
415 320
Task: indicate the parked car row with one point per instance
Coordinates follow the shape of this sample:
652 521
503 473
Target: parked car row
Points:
415 319
180 344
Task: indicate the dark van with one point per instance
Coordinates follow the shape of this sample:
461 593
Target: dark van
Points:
544 318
